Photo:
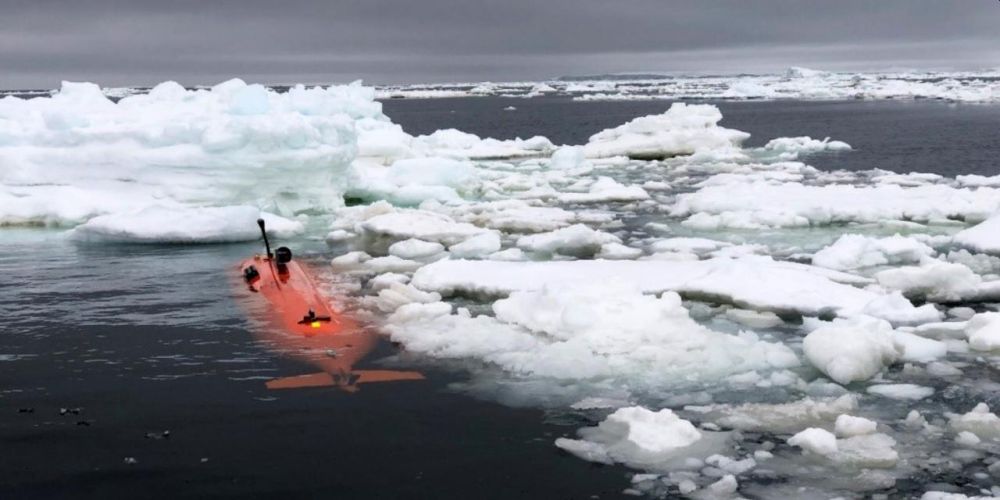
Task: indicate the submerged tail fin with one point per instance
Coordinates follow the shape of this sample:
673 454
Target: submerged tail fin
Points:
369 376
348 382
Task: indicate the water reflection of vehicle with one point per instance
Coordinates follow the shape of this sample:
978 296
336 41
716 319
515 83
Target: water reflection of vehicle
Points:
303 325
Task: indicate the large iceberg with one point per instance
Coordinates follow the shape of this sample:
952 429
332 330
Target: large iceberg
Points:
76 155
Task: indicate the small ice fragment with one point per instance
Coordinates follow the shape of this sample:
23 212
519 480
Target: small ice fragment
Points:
476 246
967 439
754 319
398 294
983 331
723 487
415 249
687 486
847 426
390 264
383 281
901 391
851 352
983 237
979 421
961 313
617 251
339 235
915 420
350 259
577 240
815 440
731 466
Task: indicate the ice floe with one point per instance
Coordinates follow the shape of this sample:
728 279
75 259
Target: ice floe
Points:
587 333
851 352
759 283
854 251
983 237
983 331
633 435
156 224
758 204
789 148
684 129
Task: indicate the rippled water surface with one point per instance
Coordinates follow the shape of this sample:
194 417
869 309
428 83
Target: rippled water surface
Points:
902 136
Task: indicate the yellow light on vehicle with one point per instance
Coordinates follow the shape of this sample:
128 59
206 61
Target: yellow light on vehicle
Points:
315 324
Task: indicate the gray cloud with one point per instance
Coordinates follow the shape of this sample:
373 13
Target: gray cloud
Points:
146 41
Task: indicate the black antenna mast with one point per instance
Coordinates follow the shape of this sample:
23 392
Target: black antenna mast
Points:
267 245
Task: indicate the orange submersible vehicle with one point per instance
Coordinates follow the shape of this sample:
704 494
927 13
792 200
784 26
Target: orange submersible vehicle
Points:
301 323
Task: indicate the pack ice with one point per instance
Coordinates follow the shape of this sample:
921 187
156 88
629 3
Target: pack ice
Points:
735 321
793 83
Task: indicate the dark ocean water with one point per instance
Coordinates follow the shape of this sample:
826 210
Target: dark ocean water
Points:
143 339
134 340
902 136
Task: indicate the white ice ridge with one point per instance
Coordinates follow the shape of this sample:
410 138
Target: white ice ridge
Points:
750 281
75 155
754 205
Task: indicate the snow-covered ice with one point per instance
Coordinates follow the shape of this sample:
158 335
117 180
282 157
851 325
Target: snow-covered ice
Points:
738 321
157 224
684 129
633 435
983 331
854 251
753 282
983 237
753 205
815 440
76 155
794 83
851 352
587 333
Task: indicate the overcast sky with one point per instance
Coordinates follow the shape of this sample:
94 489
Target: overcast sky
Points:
141 42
